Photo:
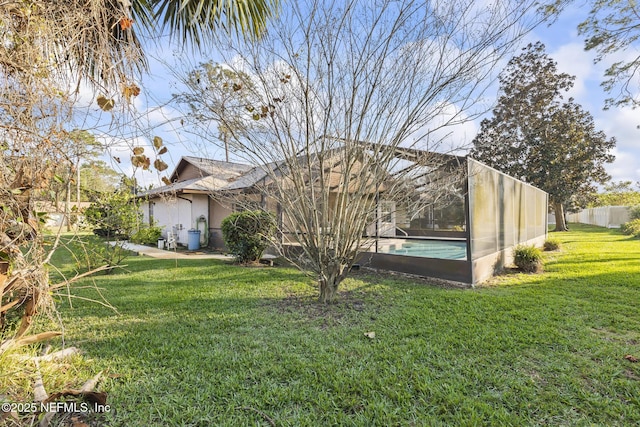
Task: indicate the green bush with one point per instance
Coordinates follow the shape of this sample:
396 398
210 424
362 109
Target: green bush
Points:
634 212
247 234
632 227
147 235
114 215
551 244
527 258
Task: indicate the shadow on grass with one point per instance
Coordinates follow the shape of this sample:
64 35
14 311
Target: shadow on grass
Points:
235 337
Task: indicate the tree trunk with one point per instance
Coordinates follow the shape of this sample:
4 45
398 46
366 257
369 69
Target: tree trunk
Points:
226 146
561 225
329 281
328 288
78 196
67 209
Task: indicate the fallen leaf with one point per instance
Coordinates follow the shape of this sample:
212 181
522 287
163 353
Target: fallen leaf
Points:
631 358
77 422
99 397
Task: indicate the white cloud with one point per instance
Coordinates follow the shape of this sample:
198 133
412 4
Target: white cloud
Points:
622 123
451 131
626 166
572 59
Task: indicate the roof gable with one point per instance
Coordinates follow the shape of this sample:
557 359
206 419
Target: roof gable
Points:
196 167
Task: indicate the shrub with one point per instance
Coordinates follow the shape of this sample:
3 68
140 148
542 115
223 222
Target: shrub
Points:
634 212
247 234
527 258
114 215
147 235
632 227
551 244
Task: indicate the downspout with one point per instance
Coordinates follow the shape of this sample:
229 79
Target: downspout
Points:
182 198
208 217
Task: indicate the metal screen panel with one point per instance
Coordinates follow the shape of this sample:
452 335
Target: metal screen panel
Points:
503 211
482 210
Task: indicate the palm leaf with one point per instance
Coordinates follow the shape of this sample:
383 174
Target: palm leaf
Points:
196 20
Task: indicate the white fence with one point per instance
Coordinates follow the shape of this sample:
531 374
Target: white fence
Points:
605 216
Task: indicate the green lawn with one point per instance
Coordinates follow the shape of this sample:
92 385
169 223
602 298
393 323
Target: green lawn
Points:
207 343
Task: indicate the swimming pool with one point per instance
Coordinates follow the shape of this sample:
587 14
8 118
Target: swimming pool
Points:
443 249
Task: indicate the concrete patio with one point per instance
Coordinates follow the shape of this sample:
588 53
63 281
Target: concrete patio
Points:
169 254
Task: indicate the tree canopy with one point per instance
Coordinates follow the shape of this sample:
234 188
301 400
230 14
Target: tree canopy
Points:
197 20
538 136
619 193
614 26
97 177
213 92
99 40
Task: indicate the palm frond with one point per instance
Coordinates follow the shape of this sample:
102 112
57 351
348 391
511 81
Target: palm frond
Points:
196 20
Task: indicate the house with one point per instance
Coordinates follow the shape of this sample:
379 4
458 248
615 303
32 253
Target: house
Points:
465 235
203 192
189 203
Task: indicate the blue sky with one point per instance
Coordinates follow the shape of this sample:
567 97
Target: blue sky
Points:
566 47
563 44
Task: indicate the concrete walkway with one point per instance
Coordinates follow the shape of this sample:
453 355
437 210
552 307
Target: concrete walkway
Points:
161 253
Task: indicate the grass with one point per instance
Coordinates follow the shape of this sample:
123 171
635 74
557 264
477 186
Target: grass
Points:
207 343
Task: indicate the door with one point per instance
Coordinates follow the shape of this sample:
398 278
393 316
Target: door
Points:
387 218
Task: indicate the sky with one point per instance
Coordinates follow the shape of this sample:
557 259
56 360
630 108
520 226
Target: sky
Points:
563 44
566 47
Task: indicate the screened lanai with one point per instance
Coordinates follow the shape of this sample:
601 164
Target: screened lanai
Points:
458 222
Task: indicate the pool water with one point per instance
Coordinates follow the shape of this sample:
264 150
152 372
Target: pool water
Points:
443 249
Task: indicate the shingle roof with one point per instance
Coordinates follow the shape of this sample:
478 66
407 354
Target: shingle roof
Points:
219 168
252 177
207 183
217 176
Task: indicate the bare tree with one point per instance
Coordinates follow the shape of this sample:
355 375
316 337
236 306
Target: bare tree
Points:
216 93
352 100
